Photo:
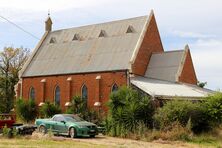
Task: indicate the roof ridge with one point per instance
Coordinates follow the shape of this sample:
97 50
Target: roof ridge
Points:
108 22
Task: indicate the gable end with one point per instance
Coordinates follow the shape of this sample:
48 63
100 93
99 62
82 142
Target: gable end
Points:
187 73
150 42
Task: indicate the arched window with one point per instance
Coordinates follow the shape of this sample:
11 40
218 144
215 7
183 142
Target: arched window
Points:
57 95
32 93
114 87
84 93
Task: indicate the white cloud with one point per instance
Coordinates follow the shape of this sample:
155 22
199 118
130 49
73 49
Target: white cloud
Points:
207 58
187 21
43 5
35 10
187 34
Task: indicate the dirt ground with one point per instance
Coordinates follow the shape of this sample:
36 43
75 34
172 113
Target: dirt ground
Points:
127 143
38 140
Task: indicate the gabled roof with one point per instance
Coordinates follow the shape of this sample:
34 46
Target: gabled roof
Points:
165 65
89 53
168 90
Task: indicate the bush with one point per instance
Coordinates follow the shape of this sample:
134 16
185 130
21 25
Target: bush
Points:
174 131
182 111
26 110
79 107
6 131
127 109
213 106
49 109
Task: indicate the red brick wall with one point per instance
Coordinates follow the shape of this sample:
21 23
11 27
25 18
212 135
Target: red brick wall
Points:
106 82
151 43
188 74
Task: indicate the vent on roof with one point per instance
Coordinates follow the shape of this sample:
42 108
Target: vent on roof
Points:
76 37
52 40
130 29
102 33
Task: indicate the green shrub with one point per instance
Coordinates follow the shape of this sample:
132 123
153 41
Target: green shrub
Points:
213 106
14 132
127 109
6 131
182 111
49 109
26 110
79 107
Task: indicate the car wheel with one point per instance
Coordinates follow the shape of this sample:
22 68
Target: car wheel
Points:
72 132
42 129
92 136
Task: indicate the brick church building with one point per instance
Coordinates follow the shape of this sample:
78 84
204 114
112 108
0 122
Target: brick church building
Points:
94 60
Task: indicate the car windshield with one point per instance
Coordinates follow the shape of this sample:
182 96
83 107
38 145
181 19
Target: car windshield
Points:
73 118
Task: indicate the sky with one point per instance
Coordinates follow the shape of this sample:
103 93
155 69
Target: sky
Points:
196 23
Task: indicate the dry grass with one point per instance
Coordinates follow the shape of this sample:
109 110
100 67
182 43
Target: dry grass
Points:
39 141
160 139
44 141
178 133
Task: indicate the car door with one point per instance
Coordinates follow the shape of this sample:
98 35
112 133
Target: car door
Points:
60 125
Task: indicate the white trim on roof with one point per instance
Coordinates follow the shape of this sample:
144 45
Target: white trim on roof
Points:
139 42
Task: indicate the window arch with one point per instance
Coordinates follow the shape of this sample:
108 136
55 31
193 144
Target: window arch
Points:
114 88
84 93
32 93
57 95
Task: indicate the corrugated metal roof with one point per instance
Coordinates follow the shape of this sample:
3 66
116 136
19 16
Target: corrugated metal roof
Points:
90 53
164 66
166 89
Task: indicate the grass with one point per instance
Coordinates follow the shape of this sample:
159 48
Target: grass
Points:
176 135
181 134
46 143
207 140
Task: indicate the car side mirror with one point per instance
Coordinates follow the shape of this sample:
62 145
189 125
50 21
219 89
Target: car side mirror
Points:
63 122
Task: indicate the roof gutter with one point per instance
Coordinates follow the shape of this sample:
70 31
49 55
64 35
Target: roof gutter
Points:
165 97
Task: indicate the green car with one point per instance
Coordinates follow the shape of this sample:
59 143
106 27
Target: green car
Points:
67 124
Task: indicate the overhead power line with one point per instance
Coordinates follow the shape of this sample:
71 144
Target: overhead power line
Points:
20 27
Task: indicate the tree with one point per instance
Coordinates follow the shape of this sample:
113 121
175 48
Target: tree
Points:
11 62
201 84
26 110
49 109
79 106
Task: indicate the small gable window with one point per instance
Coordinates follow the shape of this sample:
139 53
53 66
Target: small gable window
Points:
130 29
57 95
114 88
84 93
102 33
52 40
32 93
76 37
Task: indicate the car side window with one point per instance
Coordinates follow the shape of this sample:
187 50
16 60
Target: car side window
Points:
58 118
54 118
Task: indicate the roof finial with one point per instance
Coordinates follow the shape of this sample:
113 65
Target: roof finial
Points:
186 47
48 13
48 23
